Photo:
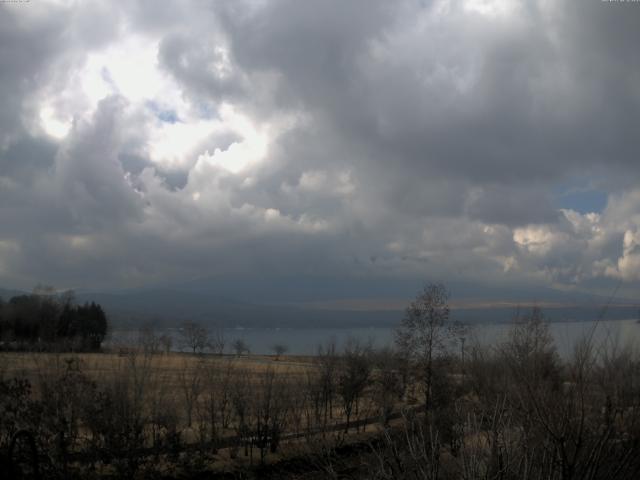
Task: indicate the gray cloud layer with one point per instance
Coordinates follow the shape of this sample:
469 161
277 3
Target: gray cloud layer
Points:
403 140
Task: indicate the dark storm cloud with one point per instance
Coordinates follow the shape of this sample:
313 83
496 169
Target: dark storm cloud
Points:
25 157
511 205
461 94
429 136
192 62
29 46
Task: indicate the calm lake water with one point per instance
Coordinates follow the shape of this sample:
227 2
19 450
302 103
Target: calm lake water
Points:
306 341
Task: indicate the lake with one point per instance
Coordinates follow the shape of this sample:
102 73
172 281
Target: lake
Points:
305 341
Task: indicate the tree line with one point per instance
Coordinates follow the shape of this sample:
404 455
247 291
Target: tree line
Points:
51 321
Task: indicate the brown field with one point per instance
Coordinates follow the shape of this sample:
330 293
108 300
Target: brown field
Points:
174 376
271 389
34 365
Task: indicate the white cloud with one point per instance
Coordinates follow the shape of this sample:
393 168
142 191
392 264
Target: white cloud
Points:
536 240
628 265
492 8
242 154
53 124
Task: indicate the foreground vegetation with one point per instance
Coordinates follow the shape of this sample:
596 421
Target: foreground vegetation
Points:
433 408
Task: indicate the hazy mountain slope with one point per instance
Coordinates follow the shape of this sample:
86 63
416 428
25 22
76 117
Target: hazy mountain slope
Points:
170 306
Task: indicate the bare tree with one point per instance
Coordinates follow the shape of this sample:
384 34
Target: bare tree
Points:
194 336
240 346
241 396
279 349
424 332
270 410
191 383
214 410
353 378
217 341
148 340
531 357
118 416
327 361
166 341
387 382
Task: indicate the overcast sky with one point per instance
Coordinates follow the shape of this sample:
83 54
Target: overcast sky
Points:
487 141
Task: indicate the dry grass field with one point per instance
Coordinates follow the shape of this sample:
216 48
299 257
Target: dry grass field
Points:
245 410
34 365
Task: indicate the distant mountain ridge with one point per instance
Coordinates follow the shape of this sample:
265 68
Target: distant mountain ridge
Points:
171 306
6 294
